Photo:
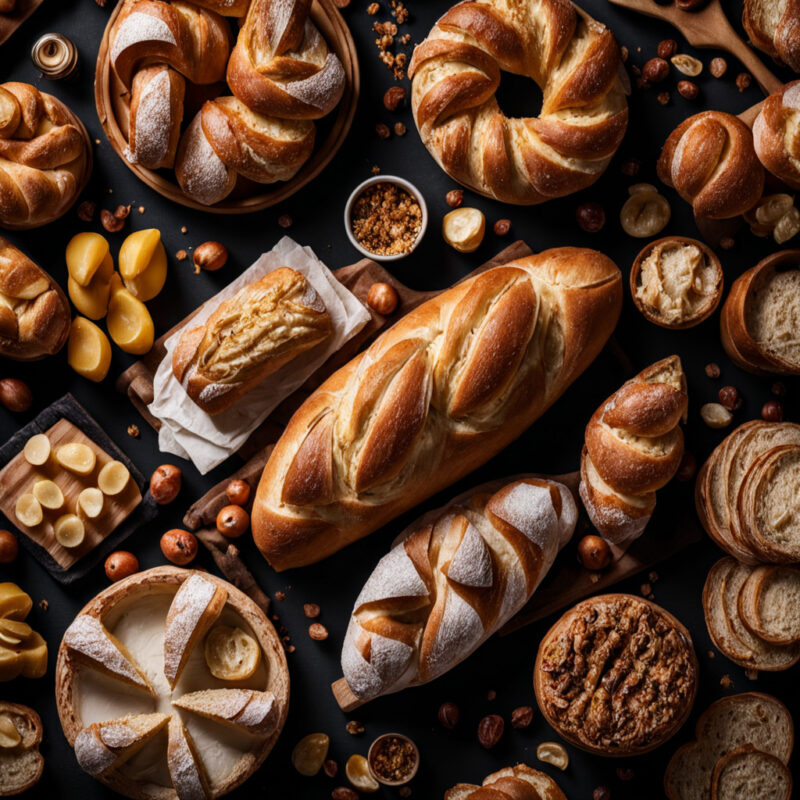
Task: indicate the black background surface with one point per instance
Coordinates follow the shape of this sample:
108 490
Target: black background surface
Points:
552 445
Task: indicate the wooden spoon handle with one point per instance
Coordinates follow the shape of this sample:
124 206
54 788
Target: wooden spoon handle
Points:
749 116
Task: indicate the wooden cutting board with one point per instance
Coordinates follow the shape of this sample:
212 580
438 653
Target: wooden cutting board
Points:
10 22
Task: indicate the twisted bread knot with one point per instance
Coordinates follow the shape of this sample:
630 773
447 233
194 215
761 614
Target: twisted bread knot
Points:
281 72
774 28
634 446
710 160
776 134
575 60
45 159
446 586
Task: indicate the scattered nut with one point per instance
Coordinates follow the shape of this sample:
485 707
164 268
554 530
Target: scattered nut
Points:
624 773
165 483
448 715
122 212
667 48
454 198
729 397
121 564
330 768
727 242
601 793
501 227
663 98
373 9
181 255
772 411
591 217
725 681
716 415
655 70
393 97
310 753
490 730
521 717
141 209
238 492
631 167
687 468
15 395
688 90
743 81
688 65
209 256
179 546
86 210
778 388
594 552
645 213
357 771
111 223
554 754
184 230
400 129
345 792
646 590
354 728
318 632
133 431
718 67
383 130
311 610
712 370
751 674
382 298
285 221
9 547
232 521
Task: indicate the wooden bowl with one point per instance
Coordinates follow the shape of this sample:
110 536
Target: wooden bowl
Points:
705 309
75 683
662 736
113 107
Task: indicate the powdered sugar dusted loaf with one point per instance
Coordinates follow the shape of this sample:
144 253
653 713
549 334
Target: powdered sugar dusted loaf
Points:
252 710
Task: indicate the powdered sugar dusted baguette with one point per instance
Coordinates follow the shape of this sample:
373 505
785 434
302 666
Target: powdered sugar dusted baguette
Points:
249 709
186 770
195 608
103 746
451 580
89 643
434 397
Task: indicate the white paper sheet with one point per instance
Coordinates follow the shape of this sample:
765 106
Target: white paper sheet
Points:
206 440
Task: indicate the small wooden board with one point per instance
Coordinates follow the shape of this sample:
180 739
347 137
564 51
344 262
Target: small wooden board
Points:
10 22
66 421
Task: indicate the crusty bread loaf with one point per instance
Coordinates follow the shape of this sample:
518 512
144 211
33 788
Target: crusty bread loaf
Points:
776 134
248 337
34 312
21 765
751 718
438 394
750 773
769 604
451 580
634 446
774 27
574 59
246 709
511 783
761 316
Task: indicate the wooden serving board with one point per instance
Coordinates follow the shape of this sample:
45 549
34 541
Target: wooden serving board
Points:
10 22
112 99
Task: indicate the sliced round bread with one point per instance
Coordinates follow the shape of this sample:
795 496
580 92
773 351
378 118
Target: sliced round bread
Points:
750 774
747 595
750 718
714 609
20 764
771 604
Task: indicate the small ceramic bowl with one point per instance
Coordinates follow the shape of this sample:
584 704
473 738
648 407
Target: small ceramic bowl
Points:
403 184
373 752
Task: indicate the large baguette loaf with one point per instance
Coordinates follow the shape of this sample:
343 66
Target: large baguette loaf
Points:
451 580
434 397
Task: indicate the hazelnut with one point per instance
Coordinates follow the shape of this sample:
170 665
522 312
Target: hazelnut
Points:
132 431
594 552
121 564
373 9
521 717
165 483
238 492
687 65
490 730
716 415
344 792
663 98
179 546
393 97
122 212
232 521
687 468
354 727
688 90
501 227
601 793
729 397
285 221
111 223
330 768
382 298
655 70
631 167
554 754
181 255
383 130
448 715
210 256
778 389
667 48
86 210
454 198
15 395
591 217
318 632
9 547
712 370
772 411
743 81
400 129
718 67
311 610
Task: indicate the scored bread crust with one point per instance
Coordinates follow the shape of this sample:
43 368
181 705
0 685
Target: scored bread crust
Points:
434 397
774 30
749 753
31 738
777 146
168 580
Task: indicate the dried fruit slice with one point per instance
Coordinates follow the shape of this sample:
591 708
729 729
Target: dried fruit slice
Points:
113 478
90 502
76 457
357 771
48 494
231 654
37 450
69 530
310 753
28 510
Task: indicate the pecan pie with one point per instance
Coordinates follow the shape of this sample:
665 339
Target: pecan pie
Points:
616 675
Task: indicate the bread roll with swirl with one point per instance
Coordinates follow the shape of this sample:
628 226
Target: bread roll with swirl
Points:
438 394
776 133
774 27
634 446
451 580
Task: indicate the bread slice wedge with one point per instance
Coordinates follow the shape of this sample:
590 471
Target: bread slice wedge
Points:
770 604
21 764
185 767
750 774
246 709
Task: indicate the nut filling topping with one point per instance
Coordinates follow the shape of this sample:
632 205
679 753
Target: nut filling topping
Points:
617 674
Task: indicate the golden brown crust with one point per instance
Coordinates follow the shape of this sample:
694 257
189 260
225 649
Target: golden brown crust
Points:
775 133
464 400
776 34
29 726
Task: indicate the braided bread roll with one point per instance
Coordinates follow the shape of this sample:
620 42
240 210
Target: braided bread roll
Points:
45 157
709 159
451 580
634 446
776 134
434 397
456 71
511 783
774 27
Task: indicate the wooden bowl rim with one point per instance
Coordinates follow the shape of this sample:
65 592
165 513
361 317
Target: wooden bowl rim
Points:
343 46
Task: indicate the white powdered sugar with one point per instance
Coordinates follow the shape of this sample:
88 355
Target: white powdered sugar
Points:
260 713
460 631
472 563
183 769
140 27
791 97
530 510
93 756
394 576
154 122
389 660
202 174
247 708
118 735
321 90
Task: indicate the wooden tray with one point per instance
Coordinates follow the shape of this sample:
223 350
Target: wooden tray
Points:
10 22
112 101
65 421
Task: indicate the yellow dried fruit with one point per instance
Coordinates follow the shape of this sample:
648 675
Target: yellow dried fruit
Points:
310 753
357 771
554 754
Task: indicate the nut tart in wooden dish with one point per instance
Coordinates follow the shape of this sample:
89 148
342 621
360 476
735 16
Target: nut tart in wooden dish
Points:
137 698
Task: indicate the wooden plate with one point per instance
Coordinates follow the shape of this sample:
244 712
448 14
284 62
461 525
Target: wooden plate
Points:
112 101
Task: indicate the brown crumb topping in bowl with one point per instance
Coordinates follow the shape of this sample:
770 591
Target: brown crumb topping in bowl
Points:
393 759
386 219
616 674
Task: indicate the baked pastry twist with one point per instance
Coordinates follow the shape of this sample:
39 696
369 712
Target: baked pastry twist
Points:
510 783
634 446
456 71
451 581
709 159
45 157
774 27
776 134
438 394
281 72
